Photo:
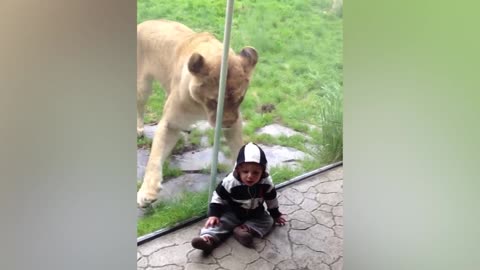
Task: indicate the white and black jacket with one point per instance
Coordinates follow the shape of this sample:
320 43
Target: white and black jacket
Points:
245 201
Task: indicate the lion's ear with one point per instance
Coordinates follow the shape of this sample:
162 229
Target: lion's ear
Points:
249 54
196 64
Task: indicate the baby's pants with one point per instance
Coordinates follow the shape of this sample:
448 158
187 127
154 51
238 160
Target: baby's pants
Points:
228 221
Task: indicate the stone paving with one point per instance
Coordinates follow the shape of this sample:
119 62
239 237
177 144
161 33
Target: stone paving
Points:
311 239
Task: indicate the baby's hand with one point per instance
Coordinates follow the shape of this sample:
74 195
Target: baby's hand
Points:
211 222
280 220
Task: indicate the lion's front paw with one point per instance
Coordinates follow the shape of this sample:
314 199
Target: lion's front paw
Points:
145 198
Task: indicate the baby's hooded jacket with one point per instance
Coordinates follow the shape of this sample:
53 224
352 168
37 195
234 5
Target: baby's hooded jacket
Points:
246 202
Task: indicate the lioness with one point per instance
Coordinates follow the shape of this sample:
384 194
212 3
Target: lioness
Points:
187 65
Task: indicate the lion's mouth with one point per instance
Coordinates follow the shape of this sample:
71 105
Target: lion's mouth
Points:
225 124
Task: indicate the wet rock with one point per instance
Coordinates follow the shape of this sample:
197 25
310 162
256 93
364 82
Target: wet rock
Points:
194 182
192 161
276 130
196 160
149 131
142 159
283 156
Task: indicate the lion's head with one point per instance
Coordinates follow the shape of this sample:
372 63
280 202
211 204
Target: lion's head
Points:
204 84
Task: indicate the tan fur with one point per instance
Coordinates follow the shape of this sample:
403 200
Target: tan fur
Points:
187 65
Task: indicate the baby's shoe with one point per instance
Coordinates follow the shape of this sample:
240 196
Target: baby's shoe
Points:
244 235
204 242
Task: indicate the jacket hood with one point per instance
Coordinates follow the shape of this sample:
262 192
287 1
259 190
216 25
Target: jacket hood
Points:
251 152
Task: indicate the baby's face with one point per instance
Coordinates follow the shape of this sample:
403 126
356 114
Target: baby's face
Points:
250 173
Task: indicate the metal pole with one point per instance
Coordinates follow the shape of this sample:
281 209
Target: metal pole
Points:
221 95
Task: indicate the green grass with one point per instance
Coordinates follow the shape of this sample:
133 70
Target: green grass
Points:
139 184
166 214
282 174
221 168
194 137
154 107
300 73
331 118
144 142
170 172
